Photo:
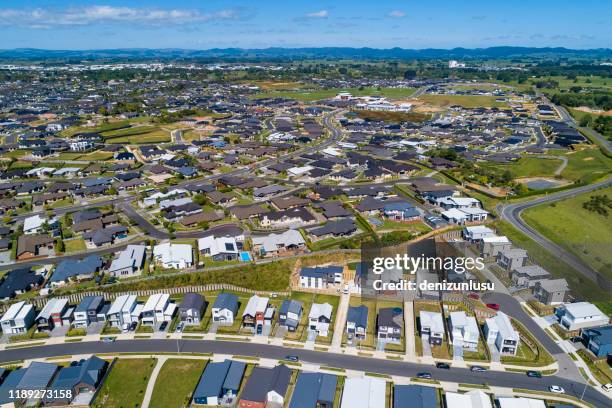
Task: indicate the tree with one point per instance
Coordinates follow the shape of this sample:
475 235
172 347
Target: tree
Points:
585 120
410 74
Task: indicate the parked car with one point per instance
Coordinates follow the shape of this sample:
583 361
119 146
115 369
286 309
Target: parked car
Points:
108 340
445 366
133 326
478 369
494 306
125 328
474 296
607 387
534 374
179 327
163 326
556 389
292 358
576 339
426 376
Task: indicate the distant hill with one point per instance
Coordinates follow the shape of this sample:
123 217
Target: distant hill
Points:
302 53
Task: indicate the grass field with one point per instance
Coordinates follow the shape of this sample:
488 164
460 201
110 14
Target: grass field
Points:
176 382
528 167
106 127
156 136
126 384
136 130
585 233
315 95
466 101
587 164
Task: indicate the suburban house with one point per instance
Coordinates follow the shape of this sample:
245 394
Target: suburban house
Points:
314 390
36 376
598 340
157 309
432 327
274 244
473 399
498 330
266 388
19 281
493 245
225 308
464 330
414 396
76 270
82 378
401 211
128 262
297 216
191 309
18 318
580 315
364 392
219 383
173 256
527 276
257 313
121 311
389 325
219 248
357 322
476 233
32 246
320 277
319 318
343 227
290 313
460 216
89 311
551 291
51 314
511 258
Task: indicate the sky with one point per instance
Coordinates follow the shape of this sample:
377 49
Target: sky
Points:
204 24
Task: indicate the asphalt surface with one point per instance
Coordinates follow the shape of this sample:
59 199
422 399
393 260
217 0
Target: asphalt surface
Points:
512 213
382 366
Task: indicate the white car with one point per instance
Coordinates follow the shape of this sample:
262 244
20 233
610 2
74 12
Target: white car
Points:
556 389
607 387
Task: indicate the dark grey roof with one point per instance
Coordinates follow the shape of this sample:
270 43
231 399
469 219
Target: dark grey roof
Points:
358 315
416 396
313 388
192 301
264 380
226 301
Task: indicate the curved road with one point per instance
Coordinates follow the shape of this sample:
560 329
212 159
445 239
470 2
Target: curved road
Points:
512 213
382 366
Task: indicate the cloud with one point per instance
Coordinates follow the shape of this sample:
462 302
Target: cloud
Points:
397 14
318 14
82 16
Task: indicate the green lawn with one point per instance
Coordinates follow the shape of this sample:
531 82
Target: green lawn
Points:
176 382
74 245
528 167
96 156
126 384
466 101
131 131
314 95
156 136
585 233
